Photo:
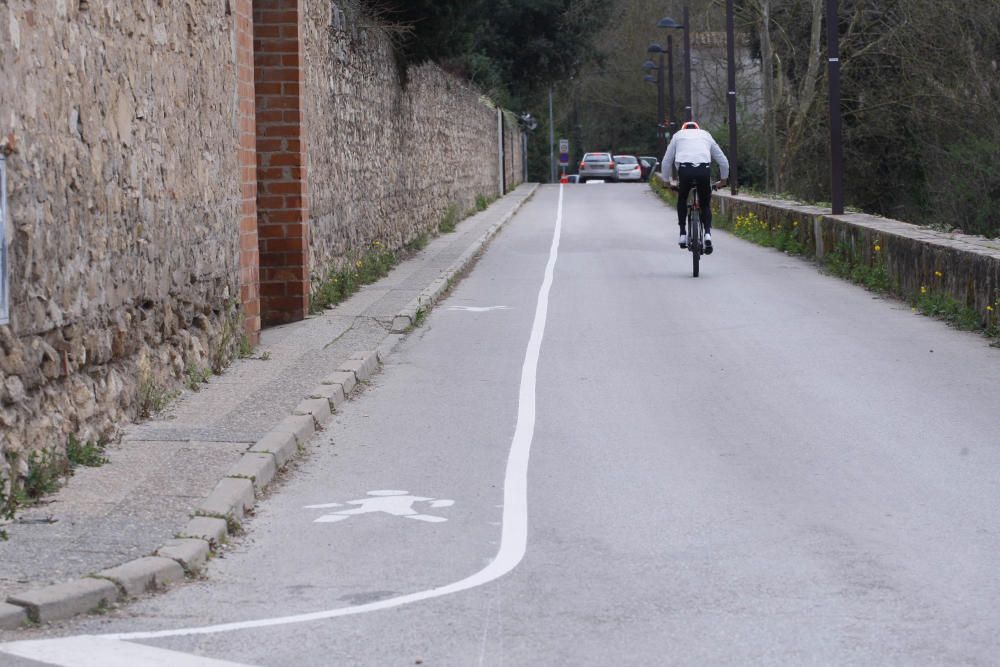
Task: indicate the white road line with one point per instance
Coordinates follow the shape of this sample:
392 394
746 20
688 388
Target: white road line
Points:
513 535
478 309
91 651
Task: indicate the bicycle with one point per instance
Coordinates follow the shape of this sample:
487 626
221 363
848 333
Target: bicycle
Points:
695 228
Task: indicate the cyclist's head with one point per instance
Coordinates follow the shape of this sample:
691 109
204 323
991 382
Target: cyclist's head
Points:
690 125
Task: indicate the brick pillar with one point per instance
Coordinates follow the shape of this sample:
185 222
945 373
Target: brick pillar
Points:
282 197
249 254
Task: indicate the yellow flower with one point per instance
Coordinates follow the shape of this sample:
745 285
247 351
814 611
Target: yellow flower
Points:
938 274
923 290
878 248
358 263
989 308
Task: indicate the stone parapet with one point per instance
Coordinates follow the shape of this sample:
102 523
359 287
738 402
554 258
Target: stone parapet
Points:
915 259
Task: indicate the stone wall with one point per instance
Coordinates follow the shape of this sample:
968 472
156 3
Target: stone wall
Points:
124 191
385 161
965 269
133 230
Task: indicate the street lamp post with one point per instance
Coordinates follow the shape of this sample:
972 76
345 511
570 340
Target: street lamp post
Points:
836 146
731 67
670 78
668 22
648 66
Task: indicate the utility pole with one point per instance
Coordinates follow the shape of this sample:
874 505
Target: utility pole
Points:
552 141
836 144
731 57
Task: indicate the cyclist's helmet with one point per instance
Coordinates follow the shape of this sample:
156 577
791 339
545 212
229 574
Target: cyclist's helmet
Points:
690 125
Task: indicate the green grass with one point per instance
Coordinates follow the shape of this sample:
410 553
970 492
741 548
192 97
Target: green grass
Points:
450 219
195 376
483 202
45 472
88 454
369 267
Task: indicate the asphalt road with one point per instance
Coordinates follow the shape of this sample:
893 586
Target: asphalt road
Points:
624 466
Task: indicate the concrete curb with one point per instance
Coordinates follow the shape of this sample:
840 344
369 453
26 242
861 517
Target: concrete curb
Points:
12 616
60 601
143 575
236 493
190 553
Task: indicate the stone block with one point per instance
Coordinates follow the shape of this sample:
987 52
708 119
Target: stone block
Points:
232 496
301 426
144 575
12 616
60 601
387 346
368 364
405 318
317 408
191 554
346 379
332 393
258 467
206 528
279 444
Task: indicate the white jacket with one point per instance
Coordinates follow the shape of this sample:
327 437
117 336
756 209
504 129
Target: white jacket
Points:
696 147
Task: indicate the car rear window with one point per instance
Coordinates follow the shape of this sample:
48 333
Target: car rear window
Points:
625 159
597 158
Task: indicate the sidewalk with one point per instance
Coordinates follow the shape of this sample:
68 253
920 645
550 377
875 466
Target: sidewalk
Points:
192 471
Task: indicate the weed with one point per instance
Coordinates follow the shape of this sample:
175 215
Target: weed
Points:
152 396
8 504
233 525
420 317
246 349
483 202
89 454
195 376
450 219
230 340
936 304
375 263
45 471
418 243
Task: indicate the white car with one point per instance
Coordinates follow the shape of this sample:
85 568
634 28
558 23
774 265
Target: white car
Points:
628 168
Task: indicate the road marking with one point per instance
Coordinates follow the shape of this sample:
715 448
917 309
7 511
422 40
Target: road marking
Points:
513 533
95 651
395 503
479 309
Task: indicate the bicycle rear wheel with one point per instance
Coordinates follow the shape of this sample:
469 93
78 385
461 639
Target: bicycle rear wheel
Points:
695 240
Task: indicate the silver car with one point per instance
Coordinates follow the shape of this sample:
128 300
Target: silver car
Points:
595 166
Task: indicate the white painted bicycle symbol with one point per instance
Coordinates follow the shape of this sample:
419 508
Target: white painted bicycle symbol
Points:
395 503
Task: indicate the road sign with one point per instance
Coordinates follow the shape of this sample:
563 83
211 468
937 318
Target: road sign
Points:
563 152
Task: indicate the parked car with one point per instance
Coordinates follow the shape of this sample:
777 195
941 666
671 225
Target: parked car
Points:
628 168
649 165
598 165
572 178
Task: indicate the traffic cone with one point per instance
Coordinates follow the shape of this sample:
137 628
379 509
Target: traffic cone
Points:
564 179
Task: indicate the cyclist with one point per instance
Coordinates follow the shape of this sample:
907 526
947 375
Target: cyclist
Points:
692 150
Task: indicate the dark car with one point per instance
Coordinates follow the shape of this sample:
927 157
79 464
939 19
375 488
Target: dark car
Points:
649 165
